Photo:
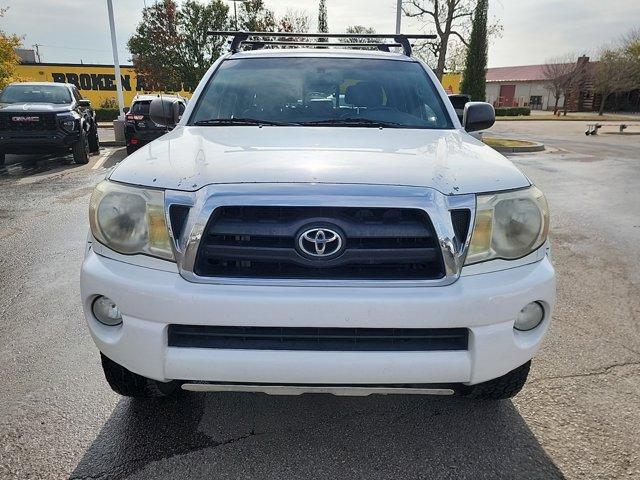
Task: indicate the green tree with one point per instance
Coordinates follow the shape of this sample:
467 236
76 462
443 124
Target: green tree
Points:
155 47
474 77
323 21
255 17
197 49
171 49
9 60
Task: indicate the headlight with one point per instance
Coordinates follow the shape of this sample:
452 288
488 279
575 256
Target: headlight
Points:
67 121
508 225
130 220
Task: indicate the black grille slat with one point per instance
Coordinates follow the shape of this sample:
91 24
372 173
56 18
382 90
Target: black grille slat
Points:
230 227
321 339
364 256
260 242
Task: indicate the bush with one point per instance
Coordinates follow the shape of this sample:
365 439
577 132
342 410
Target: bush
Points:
512 111
106 114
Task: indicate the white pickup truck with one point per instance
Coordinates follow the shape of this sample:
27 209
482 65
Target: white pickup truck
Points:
319 220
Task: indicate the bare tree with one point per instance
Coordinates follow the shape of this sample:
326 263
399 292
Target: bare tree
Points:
358 30
295 21
615 72
560 73
450 18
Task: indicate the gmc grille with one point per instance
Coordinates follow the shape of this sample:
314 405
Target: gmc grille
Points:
46 121
260 242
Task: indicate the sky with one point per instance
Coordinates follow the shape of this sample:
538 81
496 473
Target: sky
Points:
534 30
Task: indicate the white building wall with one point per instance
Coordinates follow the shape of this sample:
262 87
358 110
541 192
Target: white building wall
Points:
523 94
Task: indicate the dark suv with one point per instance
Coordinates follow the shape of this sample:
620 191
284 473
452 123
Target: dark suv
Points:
139 129
46 117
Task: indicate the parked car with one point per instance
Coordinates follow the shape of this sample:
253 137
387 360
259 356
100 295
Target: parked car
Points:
139 129
318 220
44 117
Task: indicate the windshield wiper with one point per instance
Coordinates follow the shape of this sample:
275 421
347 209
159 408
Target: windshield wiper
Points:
354 122
238 121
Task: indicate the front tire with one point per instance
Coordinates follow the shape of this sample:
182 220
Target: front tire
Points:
81 149
129 384
506 386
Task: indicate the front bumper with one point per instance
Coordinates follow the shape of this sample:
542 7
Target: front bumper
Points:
36 142
150 300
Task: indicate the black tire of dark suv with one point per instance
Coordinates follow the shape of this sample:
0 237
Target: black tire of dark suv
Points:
129 384
81 149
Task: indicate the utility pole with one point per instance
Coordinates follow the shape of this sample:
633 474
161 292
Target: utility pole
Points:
116 62
235 12
36 46
398 16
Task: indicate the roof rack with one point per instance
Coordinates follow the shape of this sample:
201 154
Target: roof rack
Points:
258 44
240 37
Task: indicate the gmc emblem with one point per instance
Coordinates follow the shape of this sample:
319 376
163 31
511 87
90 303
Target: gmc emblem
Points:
25 119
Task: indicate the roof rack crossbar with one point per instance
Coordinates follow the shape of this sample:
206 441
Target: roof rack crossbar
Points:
402 39
258 44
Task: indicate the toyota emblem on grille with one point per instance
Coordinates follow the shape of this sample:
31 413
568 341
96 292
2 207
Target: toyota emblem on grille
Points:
320 242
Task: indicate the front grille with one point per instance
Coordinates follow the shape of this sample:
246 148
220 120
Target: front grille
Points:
45 122
322 339
260 242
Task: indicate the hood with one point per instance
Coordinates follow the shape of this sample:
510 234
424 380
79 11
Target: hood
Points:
189 158
34 107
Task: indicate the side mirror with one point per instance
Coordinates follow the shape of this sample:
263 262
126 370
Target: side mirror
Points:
165 111
478 116
458 102
126 109
84 102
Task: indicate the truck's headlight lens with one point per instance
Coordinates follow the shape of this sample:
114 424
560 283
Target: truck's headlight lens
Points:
68 121
130 220
509 225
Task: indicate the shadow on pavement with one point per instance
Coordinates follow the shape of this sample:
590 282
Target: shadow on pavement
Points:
232 435
33 165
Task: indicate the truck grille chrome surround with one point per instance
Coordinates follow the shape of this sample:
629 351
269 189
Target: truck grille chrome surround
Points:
419 218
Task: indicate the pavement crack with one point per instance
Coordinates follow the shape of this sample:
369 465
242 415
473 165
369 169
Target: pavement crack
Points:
604 371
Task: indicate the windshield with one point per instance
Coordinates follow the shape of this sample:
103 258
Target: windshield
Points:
35 94
322 91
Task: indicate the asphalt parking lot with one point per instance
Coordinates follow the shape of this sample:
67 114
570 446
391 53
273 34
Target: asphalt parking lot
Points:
577 417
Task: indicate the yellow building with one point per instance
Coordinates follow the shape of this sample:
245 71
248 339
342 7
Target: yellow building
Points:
95 82
451 82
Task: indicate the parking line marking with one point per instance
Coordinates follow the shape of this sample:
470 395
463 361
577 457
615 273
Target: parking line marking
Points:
101 160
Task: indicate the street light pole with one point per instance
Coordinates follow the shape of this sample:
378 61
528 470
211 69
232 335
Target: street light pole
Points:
398 16
116 62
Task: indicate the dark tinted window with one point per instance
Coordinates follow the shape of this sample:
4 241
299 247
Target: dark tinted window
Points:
303 90
35 94
140 108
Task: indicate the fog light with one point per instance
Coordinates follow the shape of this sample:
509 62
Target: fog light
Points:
529 317
106 311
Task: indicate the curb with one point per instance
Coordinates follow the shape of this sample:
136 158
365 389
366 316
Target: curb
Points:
536 147
111 143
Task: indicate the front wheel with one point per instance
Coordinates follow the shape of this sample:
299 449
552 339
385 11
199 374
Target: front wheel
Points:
81 149
129 384
506 386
